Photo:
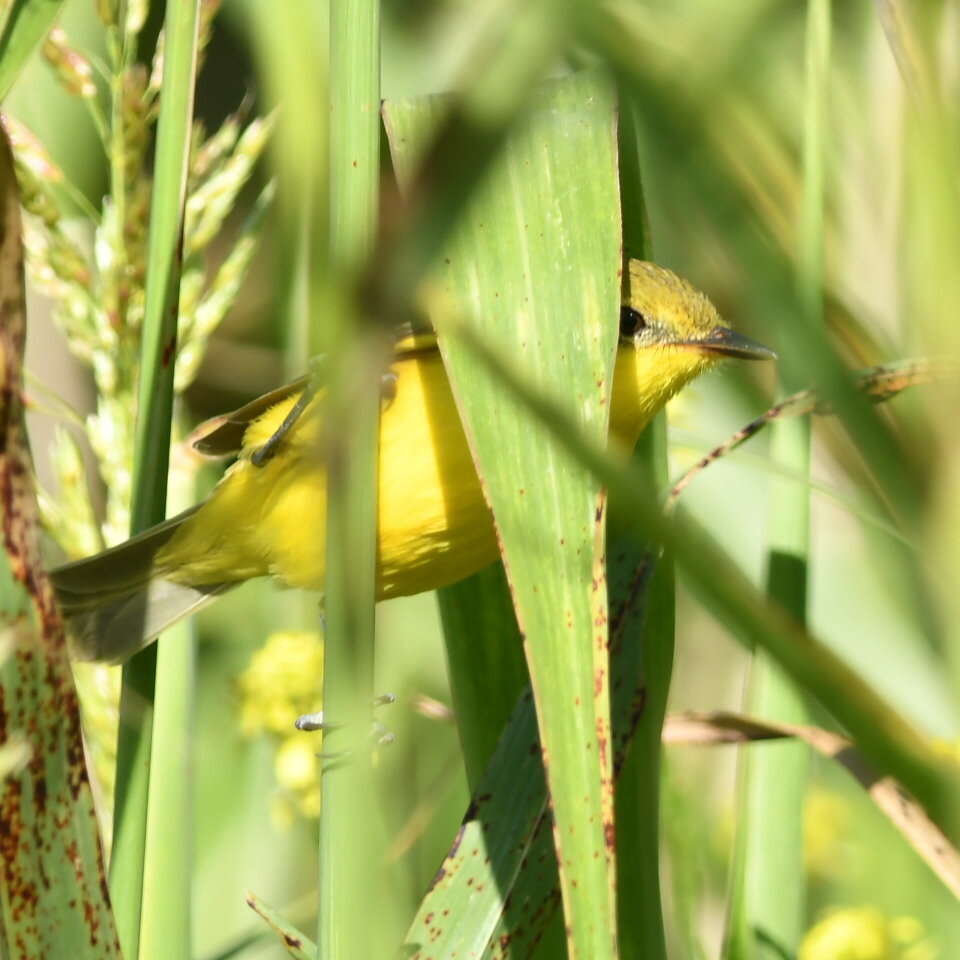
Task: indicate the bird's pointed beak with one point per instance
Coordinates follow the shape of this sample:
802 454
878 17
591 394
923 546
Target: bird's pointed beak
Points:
728 343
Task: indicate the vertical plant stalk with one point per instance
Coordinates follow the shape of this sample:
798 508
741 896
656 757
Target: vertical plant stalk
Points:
640 910
349 861
769 900
151 462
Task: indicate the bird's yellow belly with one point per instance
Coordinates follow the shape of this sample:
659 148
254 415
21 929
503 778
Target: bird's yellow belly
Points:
434 527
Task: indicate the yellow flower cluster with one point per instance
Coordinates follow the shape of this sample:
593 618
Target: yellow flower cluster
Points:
865 933
283 681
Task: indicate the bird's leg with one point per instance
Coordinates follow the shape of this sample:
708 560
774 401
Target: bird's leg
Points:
265 452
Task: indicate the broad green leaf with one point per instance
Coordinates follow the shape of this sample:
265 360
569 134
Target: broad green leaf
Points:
53 894
536 265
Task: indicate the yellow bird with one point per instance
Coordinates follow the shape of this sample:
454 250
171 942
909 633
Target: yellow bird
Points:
267 514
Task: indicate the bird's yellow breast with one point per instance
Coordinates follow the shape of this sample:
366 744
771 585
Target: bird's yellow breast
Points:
434 525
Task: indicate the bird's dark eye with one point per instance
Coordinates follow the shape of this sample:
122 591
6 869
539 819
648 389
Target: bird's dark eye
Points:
631 321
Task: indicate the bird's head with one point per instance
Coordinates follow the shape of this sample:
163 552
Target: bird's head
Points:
675 334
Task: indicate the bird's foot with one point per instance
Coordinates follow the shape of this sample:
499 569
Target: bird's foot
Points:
378 736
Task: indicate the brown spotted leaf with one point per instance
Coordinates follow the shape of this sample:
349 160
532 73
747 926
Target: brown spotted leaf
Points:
297 944
535 265
53 891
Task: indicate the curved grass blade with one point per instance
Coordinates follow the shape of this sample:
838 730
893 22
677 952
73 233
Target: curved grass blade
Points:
53 894
547 283
26 23
297 944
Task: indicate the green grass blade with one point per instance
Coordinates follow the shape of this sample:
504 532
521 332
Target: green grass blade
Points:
646 675
27 23
349 849
462 914
165 928
638 785
297 944
151 458
552 206
166 915
483 644
767 913
53 899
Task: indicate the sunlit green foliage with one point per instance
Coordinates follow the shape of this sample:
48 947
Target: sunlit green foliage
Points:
720 91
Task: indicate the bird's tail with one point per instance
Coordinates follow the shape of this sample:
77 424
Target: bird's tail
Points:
116 602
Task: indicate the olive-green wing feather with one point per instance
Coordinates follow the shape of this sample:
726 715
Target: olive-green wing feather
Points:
222 436
115 603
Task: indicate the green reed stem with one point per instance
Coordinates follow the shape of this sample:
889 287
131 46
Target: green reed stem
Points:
151 461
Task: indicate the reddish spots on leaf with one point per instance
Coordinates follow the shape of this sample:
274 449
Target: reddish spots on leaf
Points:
168 351
428 919
610 836
289 939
